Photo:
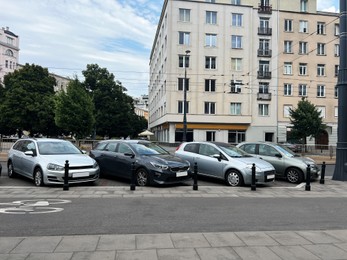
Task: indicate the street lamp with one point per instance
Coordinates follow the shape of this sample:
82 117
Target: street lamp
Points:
184 139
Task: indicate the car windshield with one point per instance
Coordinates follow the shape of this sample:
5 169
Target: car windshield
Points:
149 149
234 151
50 148
286 151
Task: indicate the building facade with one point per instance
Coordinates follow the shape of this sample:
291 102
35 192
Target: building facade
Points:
9 52
237 61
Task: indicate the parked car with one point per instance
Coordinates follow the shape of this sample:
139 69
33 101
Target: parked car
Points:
152 163
296 148
43 160
288 164
226 162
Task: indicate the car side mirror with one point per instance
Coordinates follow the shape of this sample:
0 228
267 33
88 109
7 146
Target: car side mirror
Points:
29 153
217 156
278 155
131 155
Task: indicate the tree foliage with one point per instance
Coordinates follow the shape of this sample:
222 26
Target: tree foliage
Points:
74 110
306 120
28 101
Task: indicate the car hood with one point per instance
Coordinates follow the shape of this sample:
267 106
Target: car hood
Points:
305 160
167 159
258 162
73 159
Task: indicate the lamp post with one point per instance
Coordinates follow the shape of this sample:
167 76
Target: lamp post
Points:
184 139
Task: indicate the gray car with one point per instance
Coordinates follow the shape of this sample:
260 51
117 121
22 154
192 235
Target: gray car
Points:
43 160
288 164
226 162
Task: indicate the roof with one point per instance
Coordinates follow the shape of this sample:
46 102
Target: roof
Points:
10 33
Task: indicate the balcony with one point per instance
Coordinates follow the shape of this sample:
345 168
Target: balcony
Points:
264 74
264 96
264 9
264 31
264 53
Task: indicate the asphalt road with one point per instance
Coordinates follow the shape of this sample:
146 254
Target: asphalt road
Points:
165 215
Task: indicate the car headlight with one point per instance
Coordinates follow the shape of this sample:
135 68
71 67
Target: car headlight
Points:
249 166
55 167
95 165
160 166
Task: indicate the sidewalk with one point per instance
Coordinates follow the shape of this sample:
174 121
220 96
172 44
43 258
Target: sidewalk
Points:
297 244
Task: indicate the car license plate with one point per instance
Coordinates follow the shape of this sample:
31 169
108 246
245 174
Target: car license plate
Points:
272 176
80 174
180 174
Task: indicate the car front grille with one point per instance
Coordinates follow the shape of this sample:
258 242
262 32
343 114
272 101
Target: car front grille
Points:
179 169
81 167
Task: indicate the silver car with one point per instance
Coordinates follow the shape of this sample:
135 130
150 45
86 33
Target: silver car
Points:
43 160
225 161
288 164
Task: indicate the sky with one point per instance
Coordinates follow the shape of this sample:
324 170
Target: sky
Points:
66 35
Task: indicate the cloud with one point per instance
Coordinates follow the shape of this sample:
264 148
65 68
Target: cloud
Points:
328 5
65 35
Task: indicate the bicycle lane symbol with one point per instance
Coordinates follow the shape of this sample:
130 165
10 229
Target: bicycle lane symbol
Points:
39 206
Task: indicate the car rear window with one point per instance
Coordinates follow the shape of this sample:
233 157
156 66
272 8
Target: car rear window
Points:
192 148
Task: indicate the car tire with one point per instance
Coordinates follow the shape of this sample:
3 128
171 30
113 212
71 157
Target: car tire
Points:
294 175
10 170
233 178
38 177
142 177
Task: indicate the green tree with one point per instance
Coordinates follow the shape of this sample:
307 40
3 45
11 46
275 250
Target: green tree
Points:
114 109
306 120
74 110
28 101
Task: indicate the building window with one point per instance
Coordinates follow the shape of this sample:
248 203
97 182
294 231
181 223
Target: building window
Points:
6 64
288 25
183 61
337 68
211 17
320 91
210 108
236 20
336 92
184 15
236 64
263 88
336 111
302 69
263 109
337 30
236 41
210 136
236 137
321 109
210 1
184 38
286 110
303 5
320 70
210 85
288 68
180 107
287 89
10 40
210 62
320 48
235 2
235 109
9 53
303 27
337 50
302 90
235 86
181 84
288 47
303 48
210 40
320 28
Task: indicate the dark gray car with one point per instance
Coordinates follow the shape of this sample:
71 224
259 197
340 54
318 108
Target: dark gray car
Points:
152 163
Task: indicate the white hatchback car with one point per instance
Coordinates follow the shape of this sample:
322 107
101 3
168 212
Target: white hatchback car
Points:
43 160
225 161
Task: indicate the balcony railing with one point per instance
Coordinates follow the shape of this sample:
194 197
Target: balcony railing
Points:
264 53
264 31
265 9
264 96
264 74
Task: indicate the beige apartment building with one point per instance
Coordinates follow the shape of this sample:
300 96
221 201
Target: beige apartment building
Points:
9 52
230 57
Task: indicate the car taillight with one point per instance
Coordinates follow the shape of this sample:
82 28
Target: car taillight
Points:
178 147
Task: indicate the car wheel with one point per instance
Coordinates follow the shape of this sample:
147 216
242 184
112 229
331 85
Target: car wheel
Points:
233 178
141 177
294 175
38 177
10 170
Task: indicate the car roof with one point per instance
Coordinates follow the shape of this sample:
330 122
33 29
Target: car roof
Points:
208 142
133 141
39 140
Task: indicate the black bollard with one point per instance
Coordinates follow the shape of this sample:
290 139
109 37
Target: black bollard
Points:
322 175
195 185
133 177
308 178
253 185
66 176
